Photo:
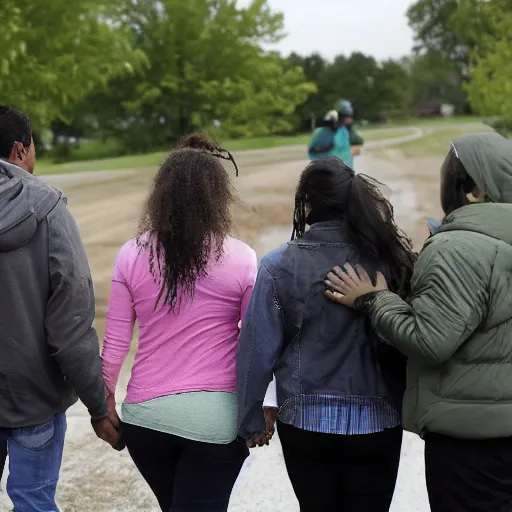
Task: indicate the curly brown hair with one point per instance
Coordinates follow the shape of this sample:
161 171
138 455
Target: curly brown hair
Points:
187 216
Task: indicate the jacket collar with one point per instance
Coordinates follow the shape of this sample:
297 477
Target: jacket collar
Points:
328 231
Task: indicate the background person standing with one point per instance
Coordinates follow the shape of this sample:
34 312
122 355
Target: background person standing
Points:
330 139
346 118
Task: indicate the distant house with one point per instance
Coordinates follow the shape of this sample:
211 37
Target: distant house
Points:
436 110
447 110
433 110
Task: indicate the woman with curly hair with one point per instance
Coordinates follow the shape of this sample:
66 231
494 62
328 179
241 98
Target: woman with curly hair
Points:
187 283
339 389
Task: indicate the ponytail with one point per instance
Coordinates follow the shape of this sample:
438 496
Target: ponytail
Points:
334 192
370 220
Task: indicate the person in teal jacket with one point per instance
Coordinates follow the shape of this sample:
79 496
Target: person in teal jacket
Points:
331 139
346 117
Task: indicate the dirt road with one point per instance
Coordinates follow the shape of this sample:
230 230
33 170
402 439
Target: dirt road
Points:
107 205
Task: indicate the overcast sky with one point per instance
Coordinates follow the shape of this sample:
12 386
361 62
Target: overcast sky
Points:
331 27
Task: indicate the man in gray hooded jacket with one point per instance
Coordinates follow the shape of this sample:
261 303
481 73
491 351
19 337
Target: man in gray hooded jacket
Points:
49 349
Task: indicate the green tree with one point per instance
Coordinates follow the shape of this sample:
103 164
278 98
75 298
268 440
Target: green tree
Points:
314 67
449 31
433 80
206 64
451 27
264 101
377 90
490 88
52 54
352 78
392 90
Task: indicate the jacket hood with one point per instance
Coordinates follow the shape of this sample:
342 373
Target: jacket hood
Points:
487 158
345 109
24 202
491 219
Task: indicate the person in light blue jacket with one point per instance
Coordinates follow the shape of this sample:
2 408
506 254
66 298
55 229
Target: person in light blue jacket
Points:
331 139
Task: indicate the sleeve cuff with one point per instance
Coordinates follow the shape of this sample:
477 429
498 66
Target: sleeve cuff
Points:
98 414
366 302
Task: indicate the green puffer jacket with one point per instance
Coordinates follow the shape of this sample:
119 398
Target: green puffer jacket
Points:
456 327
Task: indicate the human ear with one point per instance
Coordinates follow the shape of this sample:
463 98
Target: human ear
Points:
476 196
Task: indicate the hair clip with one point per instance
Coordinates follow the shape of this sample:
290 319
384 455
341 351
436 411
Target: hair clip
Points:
219 154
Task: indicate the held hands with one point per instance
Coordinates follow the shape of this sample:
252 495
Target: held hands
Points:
346 286
265 437
260 440
270 414
109 429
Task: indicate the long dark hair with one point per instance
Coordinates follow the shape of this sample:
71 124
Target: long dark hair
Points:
334 192
187 216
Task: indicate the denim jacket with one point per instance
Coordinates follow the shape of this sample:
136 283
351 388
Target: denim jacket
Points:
313 346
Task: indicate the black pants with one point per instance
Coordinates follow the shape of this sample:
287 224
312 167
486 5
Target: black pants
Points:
338 473
186 476
468 475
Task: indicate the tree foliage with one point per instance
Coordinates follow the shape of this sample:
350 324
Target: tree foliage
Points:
433 80
147 71
379 90
460 32
52 54
490 88
452 28
206 66
475 38
376 89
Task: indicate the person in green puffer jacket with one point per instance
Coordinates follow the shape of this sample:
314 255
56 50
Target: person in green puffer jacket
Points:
456 329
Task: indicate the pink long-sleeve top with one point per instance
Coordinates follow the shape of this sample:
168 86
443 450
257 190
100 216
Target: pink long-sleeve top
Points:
192 348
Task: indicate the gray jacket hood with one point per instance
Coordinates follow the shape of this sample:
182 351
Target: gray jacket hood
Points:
487 157
24 202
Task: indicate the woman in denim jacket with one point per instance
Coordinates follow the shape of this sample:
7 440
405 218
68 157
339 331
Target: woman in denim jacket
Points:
339 389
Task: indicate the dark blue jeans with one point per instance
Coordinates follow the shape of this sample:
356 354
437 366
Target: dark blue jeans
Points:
35 456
